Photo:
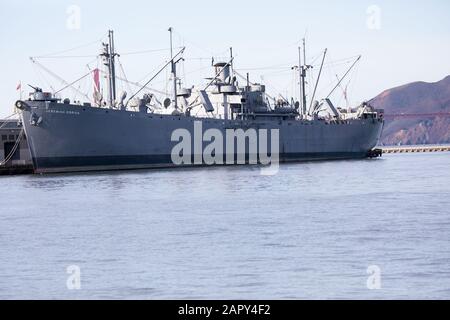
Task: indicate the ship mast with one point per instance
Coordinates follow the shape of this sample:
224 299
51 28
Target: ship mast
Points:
303 68
174 71
232 64
300 81
113 65
109 56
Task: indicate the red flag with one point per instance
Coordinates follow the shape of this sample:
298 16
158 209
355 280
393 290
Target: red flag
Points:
19 86
96 80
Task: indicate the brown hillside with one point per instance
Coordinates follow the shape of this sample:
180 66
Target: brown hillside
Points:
416 98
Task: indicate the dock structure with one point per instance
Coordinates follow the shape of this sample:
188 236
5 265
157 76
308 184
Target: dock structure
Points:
15 157
415 149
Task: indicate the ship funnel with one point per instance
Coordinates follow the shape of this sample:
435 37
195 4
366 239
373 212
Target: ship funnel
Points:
224 76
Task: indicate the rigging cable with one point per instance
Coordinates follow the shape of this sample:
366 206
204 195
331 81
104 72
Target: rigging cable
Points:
50 55
151 79
136 84
124 74
146 51
345 75
42 78
73 83
55 76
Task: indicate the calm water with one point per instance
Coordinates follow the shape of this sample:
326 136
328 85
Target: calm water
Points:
309 232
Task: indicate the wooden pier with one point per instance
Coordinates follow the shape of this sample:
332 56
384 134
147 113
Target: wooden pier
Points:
415 149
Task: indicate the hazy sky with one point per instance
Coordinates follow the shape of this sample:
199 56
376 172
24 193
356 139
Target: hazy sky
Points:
401 41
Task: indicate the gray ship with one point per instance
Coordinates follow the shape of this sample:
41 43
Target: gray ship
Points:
118 133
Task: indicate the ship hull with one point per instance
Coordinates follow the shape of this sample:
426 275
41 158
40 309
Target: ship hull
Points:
72 138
